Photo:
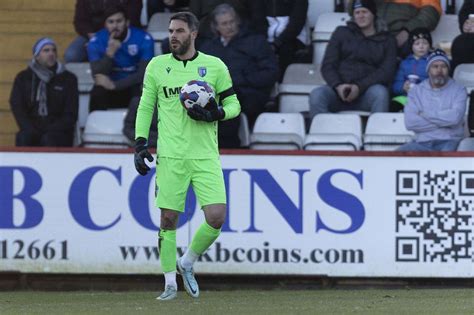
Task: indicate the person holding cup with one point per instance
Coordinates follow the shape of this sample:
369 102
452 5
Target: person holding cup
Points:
412 69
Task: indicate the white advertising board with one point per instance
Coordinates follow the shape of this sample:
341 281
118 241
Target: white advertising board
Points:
355 216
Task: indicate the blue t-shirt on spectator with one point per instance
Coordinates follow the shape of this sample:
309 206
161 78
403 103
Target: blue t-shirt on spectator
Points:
137 46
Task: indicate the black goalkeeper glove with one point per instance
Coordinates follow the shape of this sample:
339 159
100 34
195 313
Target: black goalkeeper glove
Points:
213 113
141 152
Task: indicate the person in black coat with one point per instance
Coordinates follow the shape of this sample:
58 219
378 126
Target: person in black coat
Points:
463 45
463 48
45 99
251 62
283 22
358 66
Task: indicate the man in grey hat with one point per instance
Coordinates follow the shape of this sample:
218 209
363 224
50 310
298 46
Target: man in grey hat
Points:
44 99
436 109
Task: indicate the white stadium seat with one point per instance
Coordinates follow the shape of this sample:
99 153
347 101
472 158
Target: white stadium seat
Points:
325 26
464 74
244 131
446 31
85 82
298 82
278 131
466 144
104 129
386 132
335 132
158 29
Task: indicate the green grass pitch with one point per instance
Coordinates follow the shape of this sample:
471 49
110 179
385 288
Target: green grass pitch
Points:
321 301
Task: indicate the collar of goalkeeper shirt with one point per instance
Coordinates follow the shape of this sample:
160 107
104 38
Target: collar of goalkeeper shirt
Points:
185 61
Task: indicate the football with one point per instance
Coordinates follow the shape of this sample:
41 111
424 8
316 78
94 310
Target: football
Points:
196 92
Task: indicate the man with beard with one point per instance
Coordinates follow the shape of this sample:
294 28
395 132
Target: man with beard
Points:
118 55
187 143
435 109
44 99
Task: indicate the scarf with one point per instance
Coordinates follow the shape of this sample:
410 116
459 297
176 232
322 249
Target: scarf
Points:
45 75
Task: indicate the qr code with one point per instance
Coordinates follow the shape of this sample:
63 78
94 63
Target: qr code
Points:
435 216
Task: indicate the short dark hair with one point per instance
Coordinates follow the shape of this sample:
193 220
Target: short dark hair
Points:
188 18
114 9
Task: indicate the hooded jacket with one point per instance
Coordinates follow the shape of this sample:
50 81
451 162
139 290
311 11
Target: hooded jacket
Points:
436 114
351 57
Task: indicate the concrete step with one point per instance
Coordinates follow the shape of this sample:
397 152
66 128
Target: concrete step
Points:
7 139
5 89
37 4
37 16
18 46
7 121
10 69
37 28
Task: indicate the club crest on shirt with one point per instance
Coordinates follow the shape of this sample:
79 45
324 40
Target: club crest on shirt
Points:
132 50
202 71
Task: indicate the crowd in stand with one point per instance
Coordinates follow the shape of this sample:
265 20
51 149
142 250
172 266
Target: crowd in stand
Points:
382 60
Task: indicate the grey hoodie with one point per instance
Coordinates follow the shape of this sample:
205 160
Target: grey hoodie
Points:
436 114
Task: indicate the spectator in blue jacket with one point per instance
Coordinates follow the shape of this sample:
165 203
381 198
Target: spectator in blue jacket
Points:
412 69
118 55
252 63
436 108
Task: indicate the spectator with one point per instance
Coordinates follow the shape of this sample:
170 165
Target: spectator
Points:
202 9
118 55
89 18
44 99
154 6
404 16
358 66
463 45
462 49
251 62
435 109
412 70
283 22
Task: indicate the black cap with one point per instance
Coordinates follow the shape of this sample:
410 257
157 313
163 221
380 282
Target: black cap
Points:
368 4
418 33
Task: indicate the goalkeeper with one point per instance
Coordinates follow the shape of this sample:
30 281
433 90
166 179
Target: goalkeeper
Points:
187 143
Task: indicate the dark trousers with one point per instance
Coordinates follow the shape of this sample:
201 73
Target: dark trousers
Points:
35 138
102 99
252 104
470 115
287 54
462 50
229 133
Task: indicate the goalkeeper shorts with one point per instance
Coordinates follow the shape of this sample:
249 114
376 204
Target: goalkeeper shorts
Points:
173 177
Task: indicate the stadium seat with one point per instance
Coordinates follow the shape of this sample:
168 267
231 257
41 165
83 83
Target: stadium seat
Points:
104 129
278 131
244 131
466 144
341 132
464 74
85 81
316 8
158 29
298 82
386 132
446 31
325 26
